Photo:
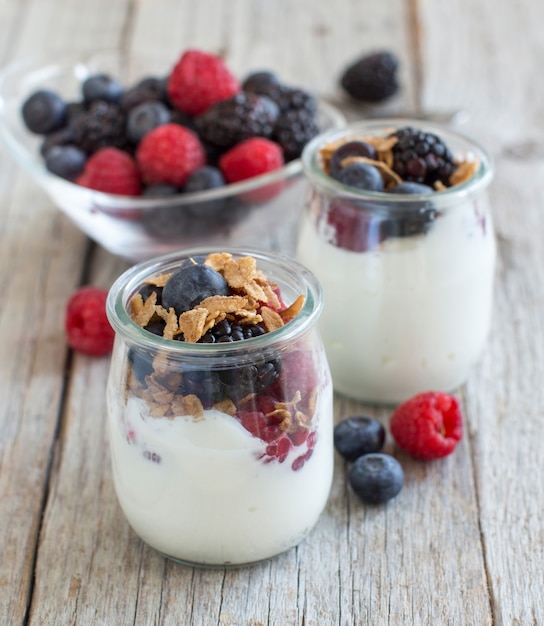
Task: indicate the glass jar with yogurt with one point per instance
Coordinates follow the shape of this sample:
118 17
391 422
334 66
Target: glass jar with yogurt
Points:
407 273
220 435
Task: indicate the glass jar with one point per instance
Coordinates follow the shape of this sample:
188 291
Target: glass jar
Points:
242 472
407 279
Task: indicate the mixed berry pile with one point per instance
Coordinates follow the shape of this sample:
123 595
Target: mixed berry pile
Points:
220 299
155 137
427 426
407 162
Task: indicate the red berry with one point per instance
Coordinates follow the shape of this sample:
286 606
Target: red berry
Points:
257 424
87 327
169 154
111 170
429 425
250 158
198 80
280 448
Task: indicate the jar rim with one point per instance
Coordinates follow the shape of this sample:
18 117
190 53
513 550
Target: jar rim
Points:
127 285
451 195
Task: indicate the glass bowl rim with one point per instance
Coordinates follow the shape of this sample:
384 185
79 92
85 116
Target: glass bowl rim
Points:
36 167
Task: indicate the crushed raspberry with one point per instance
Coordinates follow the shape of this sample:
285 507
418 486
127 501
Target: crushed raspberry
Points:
298 373
198 80
299 462
251 158
258 425
111 170
354 227
280 448
299 436
169 154
87 327
428 426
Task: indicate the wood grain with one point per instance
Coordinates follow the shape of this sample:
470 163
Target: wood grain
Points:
464 541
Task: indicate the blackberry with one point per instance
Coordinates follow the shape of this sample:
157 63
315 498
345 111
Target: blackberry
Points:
421 157
245 380
103 125
294 128
231 121
225 332
371 78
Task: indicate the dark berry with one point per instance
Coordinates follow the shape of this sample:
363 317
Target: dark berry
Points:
145 117
356 436
376 477
361 176
293 131
86 324
204 179
61 137
65 161
103 125
43 112
260 82
160 190
191 284
231 121
101 87
371 78
349 149
355 228
421 157
409 188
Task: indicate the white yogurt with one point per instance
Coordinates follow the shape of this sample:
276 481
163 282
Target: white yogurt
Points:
198 490
411 315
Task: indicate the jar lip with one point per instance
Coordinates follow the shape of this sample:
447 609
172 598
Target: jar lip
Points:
317 176
127 285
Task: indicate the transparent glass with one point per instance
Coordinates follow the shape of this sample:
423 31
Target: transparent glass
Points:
236 483
407 279
259 211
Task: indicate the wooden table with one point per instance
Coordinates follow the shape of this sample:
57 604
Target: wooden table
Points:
463 544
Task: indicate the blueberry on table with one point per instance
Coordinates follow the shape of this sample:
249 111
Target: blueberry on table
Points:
191 284
361 176
376 477
43 112
358 435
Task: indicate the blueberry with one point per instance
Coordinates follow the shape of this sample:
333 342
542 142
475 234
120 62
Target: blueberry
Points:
65 161
203 179
376 478
101 87
409 188
361 176
356 436
350 148
43 112
145 117
191 284
160 190
259 81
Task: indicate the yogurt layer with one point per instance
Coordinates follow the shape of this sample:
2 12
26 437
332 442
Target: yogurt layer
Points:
411 315
202 490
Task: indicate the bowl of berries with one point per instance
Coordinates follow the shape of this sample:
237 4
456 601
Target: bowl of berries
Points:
147 157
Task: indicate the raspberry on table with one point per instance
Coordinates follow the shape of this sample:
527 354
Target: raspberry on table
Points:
198 80
428 425
169 154
111 170
251 158
86 324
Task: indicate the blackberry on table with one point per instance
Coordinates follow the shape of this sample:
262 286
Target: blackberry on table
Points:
421 157
103 125
231 121
371 78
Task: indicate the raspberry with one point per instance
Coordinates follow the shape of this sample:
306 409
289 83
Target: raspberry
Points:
250 158
198 80
112 171
169 154
428 425
87 327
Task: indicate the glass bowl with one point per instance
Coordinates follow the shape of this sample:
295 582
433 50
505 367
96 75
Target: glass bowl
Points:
262 211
